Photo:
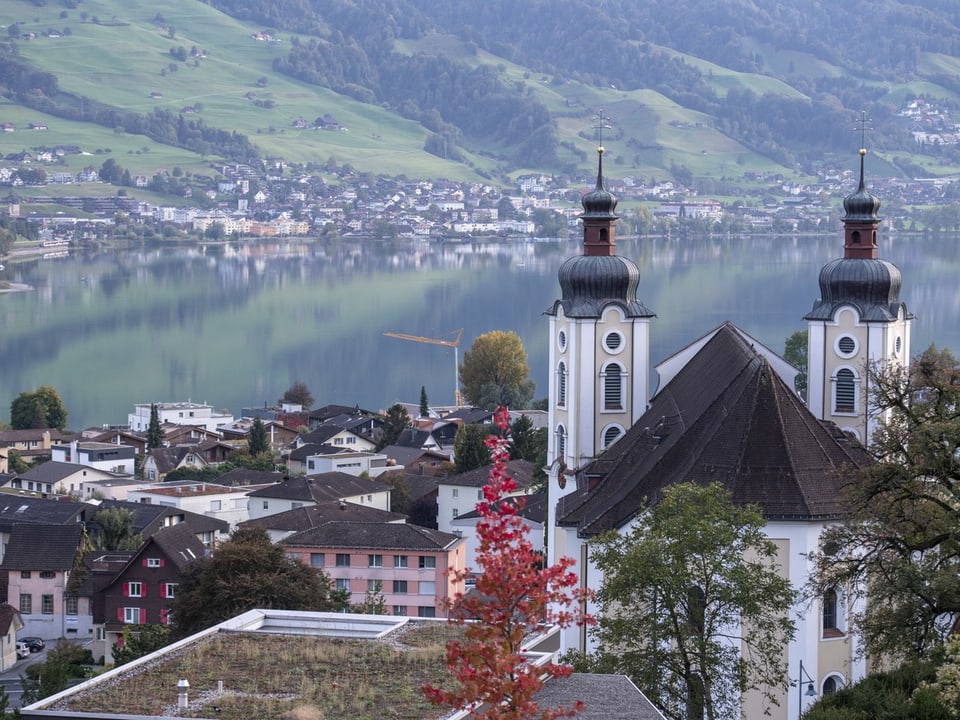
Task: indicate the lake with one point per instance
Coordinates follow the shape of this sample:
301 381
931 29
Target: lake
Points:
234 325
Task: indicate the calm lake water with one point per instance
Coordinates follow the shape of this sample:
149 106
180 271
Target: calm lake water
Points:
234 325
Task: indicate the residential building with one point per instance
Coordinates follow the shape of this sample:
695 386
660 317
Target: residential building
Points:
297 492
533 515
283 524
17 509
459 494
10 624
103 456
178 413
30 444
149 519
349 462
410 566
216 501
38 564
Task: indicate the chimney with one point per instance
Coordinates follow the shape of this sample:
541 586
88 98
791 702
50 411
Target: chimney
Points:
183 687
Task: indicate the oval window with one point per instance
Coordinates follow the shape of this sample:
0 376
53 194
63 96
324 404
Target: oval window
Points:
846 346
613 342
562 340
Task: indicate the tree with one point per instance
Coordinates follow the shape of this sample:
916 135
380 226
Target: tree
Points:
42 408
529 443
494 372
900 545
53 675
695 608
470 448
258 442
140 640
514 595
116 529
795 353
395 422
248 571
424 403
297 394
154 429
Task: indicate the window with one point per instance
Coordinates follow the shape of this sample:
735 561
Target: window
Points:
426 611
317 559
846 346
479 494
400 561
135 589
428 562
456 512
612 387
214 505
71 605
399 610
399 587
131 615
343 560
46 604
427 587
153 562
343 584
613 342
456 492
830 685
562 384
170 590
25 574
610 435
26 603
374 586
845 391
374 560
266 504
47 574
562 340
561 435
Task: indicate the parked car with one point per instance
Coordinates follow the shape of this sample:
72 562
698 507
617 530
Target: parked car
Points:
34 643
22 649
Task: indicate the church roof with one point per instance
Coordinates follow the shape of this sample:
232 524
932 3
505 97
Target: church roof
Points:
726 417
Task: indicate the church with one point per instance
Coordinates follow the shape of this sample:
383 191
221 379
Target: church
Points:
723 409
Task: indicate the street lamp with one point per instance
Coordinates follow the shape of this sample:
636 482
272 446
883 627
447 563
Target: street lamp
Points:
810 692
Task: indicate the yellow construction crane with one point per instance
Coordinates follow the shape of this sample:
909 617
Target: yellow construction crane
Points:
446 343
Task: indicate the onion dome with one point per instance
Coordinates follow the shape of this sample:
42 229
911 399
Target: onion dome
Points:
870 285
599 203
588 283
861 206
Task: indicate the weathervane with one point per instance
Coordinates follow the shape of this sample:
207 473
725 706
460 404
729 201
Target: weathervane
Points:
863 128
601 123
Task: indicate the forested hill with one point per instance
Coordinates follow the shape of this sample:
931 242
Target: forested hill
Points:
839 56
690 88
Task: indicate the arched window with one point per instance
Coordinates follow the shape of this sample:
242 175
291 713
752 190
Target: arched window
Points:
561 435
845 391
613 387
830 685
611 435
562 384
830 610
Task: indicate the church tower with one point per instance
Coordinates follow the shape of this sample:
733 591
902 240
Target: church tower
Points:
857 322
599 348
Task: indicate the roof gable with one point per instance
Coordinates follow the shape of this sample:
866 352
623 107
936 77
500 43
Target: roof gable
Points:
43 547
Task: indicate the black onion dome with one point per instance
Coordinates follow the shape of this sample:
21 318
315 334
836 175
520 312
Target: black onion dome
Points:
590 282
869 284
861 206
599 202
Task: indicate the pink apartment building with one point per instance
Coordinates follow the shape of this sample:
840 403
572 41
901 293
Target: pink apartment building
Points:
408 564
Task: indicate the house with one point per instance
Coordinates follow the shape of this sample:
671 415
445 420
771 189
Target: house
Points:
607 697
38 564
216 501
32 443
102 456
284 524
533 514
415 460
142 592
297 492
409 565
16 509
338 437
460 493
178 413
160 461
353 463
10 624
279 436
149 519
62 478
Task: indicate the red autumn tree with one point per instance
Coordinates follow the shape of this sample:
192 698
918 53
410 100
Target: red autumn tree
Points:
514 596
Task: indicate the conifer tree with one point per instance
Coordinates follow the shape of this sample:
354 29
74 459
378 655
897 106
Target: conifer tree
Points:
258 441
154 430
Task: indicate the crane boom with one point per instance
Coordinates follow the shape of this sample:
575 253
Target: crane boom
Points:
446 343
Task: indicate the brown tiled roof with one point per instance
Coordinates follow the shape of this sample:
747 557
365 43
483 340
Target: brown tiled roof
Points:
42 547
725 417
320 488
8 614
373 536
178 543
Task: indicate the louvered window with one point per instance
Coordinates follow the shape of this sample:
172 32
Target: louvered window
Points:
562 384
846 392
846 345
561 441
610 435
613 388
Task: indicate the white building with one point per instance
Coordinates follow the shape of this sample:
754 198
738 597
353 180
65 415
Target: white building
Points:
102 456
178 413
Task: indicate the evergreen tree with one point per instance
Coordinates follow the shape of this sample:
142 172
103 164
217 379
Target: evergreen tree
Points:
470 450
424 405
116 529
258 441
396 421
154 430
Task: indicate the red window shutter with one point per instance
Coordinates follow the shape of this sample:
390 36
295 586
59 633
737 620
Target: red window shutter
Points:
126 589
144 562
143 589
162 562
143 616
163 616
120 614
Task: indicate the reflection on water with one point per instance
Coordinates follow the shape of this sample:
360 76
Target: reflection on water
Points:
234 325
